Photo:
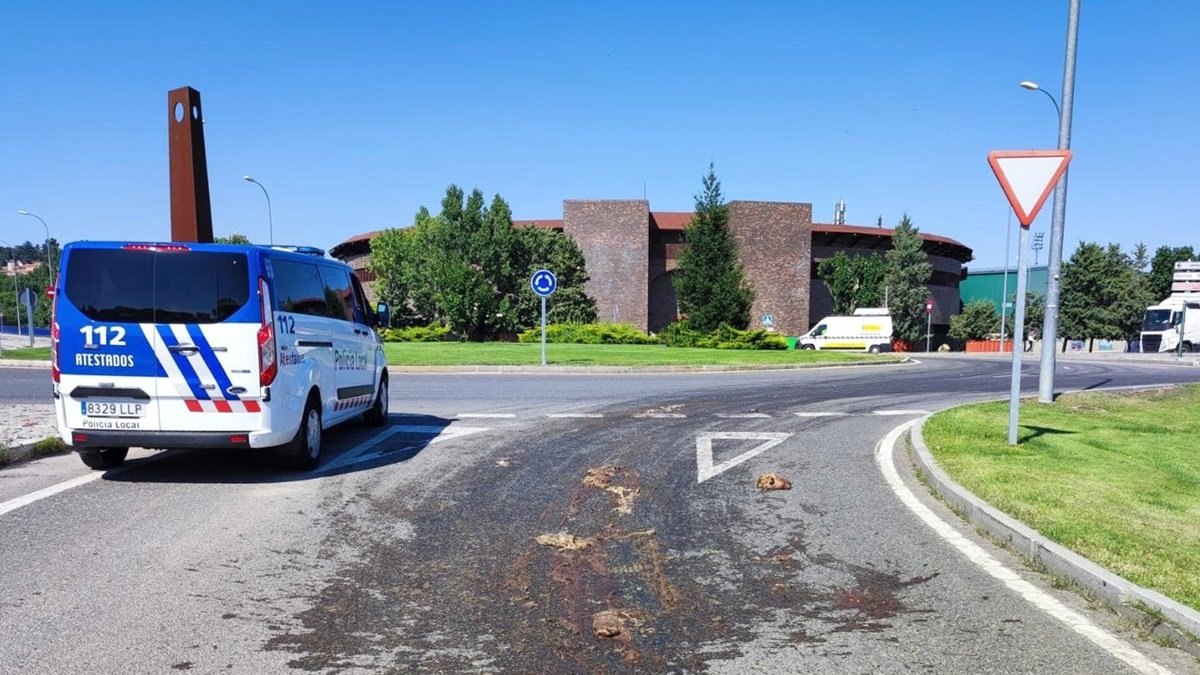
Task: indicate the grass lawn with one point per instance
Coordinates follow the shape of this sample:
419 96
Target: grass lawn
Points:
32 353
529 354
1114 477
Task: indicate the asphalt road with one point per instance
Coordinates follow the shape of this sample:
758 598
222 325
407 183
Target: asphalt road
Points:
416 549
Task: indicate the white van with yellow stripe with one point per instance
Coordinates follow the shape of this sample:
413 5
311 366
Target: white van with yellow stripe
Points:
210 346
867 330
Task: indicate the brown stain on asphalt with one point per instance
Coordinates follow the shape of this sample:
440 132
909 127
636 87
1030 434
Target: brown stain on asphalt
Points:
506 603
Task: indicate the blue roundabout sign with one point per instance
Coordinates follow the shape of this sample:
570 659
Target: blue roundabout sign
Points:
543 282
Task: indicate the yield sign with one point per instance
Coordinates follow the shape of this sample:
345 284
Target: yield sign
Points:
705 468
1027 177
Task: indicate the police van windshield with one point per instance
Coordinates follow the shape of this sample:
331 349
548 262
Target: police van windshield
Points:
134 286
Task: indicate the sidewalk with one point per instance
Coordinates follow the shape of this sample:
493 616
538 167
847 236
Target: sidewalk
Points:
23 425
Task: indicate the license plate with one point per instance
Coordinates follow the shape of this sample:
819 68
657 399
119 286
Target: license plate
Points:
125 410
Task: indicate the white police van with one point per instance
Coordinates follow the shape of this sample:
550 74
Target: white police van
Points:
186 345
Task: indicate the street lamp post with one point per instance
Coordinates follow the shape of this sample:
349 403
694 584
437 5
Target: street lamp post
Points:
1054 257
12 254
49 253
270 224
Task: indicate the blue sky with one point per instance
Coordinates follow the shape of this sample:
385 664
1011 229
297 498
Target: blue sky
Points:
355 114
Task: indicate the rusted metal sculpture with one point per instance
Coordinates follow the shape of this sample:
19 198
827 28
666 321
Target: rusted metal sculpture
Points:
191 211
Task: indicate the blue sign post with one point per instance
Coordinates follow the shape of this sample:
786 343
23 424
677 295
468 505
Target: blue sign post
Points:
543 283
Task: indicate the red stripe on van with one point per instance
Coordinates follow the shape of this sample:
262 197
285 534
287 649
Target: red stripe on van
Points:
193 405
223 406
252 406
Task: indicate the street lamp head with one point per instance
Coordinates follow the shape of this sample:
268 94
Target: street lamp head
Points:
22 212
249 179
1030 85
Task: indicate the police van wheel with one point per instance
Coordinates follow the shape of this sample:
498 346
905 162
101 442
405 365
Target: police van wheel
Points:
304 452
807 347
377 415
103 458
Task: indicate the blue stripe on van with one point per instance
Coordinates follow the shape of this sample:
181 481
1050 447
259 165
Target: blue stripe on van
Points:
181 362
210 359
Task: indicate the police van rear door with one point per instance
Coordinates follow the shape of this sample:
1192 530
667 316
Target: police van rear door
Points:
187 318
109 373
207 318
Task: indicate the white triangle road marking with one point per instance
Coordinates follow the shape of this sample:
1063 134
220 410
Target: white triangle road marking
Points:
705 468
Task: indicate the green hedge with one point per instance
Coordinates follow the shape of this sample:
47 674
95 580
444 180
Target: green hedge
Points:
725 336
430 333
590 334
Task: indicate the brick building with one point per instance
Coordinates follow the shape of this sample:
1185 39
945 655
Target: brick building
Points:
631 253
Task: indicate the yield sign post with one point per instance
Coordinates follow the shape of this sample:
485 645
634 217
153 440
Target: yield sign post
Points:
1027 177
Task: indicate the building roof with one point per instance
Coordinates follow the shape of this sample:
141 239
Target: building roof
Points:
674 221
857 236
556 225
359 243
824 234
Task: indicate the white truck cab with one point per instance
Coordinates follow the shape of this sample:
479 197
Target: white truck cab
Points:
182 345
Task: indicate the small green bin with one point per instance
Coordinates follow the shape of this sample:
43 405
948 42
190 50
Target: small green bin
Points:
792 342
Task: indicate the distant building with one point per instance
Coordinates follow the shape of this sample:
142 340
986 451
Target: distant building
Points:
988 284
632 252
14 268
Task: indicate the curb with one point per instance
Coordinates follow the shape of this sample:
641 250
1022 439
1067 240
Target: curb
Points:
1118 593
24 453
23 363
575 370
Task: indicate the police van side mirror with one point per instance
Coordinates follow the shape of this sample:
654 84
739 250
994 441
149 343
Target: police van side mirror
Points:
383 315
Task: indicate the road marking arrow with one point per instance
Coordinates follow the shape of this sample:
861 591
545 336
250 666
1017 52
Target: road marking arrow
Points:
705 468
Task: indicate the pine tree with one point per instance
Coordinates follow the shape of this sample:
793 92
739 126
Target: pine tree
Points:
1162 268
709 282
907 274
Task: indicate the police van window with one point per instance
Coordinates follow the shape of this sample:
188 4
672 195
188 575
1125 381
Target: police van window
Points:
338 293
199 286
118 285
111 285
298 288
362 313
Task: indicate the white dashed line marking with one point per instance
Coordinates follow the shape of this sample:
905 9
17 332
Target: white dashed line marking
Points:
14 504
885 458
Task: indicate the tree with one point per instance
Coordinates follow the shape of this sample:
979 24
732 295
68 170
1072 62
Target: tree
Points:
546 249
1162 268
1139 260
1103 296
709 282
395 261
853 281
977 320
234 238
1128 294
1035 314
906 277
37 279
469 269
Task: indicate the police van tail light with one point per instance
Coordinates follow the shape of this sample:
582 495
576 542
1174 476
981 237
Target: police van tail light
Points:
55 373
268 366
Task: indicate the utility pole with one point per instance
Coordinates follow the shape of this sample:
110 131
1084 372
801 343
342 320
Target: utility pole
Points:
1054 258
